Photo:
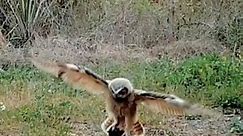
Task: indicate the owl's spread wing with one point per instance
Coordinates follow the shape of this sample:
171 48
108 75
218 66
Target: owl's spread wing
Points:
80 78
163 103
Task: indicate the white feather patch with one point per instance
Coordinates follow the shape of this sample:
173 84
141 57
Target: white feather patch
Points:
72 66
175 100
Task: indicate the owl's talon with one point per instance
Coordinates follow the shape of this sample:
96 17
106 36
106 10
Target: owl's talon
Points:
113 131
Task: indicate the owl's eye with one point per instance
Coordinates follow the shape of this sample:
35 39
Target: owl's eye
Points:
123 91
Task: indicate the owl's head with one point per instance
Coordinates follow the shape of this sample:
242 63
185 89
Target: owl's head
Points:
121 89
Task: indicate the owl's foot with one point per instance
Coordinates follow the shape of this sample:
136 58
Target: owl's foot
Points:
114 131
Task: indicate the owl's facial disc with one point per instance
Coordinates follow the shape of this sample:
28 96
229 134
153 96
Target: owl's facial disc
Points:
121 89
121 94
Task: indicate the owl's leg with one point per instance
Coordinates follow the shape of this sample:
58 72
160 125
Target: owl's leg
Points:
138 129
114 124
110 124
105 126
128 126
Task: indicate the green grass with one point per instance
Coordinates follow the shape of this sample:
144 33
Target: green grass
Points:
38 104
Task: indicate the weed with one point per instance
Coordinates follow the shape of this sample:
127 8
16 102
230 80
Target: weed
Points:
237 126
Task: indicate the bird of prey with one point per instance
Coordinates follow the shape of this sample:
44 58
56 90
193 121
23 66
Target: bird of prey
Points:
121 99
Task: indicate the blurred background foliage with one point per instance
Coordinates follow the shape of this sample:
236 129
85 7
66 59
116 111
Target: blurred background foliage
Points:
144 22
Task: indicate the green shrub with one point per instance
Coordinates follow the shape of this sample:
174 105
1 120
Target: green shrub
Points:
207 72
212 78
25 17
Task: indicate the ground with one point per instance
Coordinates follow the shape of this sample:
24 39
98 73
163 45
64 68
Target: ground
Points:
174 127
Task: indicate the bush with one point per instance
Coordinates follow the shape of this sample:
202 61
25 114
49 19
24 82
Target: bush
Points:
212 77
208 71
24 18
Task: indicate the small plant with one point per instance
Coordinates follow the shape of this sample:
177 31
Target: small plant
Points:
237 126
229 98
25 17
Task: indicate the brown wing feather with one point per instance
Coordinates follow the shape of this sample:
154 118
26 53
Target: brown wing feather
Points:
75 76
171 104
162 103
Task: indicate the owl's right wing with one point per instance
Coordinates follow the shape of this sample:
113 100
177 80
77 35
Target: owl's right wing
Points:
169 104
80 78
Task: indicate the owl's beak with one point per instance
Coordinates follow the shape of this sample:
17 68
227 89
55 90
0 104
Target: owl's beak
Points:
121 93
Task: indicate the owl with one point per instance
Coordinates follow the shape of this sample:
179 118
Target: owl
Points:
121 98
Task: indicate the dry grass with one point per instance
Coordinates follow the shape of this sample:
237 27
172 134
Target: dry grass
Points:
83 31
182 49
3 41
90 52
15 99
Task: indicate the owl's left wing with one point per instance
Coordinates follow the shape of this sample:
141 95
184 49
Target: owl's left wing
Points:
75 76
163 103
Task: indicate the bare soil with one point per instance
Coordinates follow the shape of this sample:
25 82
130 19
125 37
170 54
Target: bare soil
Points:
174 127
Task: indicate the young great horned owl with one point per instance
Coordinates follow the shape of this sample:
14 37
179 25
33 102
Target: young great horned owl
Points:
121 99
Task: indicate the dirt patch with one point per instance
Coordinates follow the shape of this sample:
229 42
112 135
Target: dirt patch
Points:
85 129
173 127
